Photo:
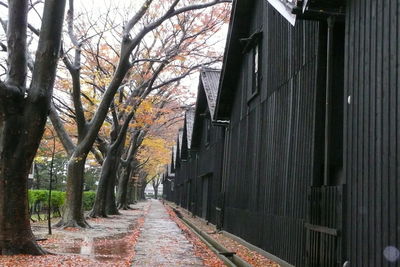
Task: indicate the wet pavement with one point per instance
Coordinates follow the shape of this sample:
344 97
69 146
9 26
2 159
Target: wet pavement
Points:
107 240
101 249
162 242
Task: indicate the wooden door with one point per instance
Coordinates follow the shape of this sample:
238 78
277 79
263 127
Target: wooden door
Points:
205 197
324 226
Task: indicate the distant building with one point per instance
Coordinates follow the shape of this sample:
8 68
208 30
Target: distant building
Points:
31 176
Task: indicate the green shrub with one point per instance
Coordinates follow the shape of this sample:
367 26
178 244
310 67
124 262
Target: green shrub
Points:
57 199
40 199
88 199
37 196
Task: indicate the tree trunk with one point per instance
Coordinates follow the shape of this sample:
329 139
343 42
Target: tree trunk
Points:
111 206
15 232
123 182
132 192
73 213
23 115
99 206
142 194
155 192
105 197
105 203
37 176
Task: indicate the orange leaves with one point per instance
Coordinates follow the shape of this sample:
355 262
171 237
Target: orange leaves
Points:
63 84
180 58
49 139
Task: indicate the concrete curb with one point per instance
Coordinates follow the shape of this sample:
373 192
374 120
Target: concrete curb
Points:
266 254
222 257
224 254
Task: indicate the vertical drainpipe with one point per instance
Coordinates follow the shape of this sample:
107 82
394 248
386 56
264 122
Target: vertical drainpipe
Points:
328 96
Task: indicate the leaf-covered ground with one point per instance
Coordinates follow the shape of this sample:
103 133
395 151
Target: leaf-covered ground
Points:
248 255
110 242
201 250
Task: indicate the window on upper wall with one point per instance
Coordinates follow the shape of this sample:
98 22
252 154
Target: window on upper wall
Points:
252 50
208 131
256 69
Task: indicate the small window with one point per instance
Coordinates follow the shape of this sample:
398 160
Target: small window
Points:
256 69
208 131
255 64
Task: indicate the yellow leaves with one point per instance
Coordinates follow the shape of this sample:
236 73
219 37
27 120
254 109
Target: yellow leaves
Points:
154 150
40 159
145 107
145 114
105 129
155 143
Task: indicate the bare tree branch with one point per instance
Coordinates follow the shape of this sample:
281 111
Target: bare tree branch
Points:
61 131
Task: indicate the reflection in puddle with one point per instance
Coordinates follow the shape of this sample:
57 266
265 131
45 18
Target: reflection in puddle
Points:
87 246
101 249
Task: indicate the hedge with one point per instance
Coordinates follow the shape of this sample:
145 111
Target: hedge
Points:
88 199
40 198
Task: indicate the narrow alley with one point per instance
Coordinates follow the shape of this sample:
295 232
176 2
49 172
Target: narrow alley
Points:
162 242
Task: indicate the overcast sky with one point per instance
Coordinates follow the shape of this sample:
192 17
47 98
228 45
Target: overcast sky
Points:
96 8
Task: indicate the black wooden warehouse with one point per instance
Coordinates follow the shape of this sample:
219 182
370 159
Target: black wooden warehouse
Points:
207 144
311 157
198 158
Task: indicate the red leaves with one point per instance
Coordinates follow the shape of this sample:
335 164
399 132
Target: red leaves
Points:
105 251
44 261
250 256
71 229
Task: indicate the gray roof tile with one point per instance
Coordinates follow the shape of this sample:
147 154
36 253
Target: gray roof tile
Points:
189 124
210 81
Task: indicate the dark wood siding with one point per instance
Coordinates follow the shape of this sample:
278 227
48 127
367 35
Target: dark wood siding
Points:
275 194
372 163
271 137
204 161
210 165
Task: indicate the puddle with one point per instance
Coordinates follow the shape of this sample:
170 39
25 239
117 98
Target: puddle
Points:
101 249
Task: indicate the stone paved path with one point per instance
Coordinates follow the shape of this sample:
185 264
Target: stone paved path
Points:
162 242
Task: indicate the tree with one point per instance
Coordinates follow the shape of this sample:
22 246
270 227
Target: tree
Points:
156 183
43 159
23 114
134 32
164 122
169 47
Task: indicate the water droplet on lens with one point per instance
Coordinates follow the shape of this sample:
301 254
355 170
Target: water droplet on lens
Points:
391 253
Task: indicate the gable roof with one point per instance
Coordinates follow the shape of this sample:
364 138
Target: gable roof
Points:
179 145
241 10
209 80
189 120
206 101
174 156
